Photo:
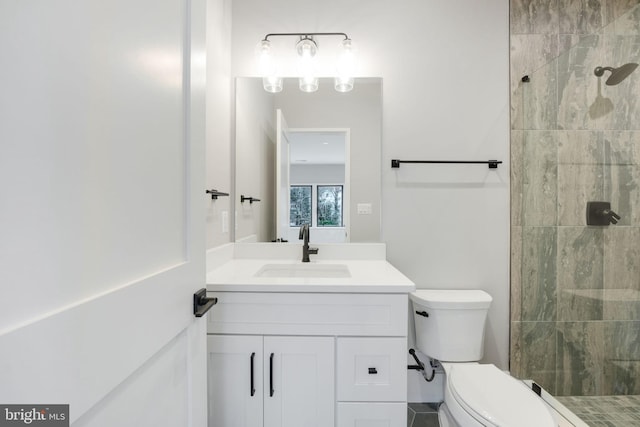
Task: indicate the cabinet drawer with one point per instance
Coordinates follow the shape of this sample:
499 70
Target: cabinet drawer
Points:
372 369
308 314
372 414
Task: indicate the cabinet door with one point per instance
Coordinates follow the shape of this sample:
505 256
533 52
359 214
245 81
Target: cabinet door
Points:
235 378
299 381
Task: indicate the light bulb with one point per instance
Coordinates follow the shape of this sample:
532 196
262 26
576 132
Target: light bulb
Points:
272 84
343 84
307 47
267 67
264 58
308 83
346 67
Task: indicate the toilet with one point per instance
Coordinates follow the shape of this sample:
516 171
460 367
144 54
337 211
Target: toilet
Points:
450 328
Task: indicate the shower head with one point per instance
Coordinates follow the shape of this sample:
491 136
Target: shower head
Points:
617 74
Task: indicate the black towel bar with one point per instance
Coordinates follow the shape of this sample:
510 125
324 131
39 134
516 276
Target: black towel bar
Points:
493 164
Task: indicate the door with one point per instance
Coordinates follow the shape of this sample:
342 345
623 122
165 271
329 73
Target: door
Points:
282 176
299 381
235 380
101 214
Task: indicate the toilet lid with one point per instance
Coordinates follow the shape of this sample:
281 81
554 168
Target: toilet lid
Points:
495 398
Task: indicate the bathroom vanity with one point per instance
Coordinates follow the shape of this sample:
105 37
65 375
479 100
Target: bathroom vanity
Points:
307 344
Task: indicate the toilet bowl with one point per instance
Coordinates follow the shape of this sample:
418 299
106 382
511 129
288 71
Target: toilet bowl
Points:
450 328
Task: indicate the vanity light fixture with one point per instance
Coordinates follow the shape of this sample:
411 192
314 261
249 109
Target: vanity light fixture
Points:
267 67
307 50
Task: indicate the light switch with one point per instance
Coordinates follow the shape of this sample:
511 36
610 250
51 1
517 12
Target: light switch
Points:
364 208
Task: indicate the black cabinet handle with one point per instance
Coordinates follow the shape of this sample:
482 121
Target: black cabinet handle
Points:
373 371
422 313
253 390
271 375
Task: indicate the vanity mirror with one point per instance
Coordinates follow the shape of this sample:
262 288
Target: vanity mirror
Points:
309 158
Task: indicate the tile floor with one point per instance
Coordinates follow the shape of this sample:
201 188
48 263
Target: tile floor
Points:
605 411
596 411
422 415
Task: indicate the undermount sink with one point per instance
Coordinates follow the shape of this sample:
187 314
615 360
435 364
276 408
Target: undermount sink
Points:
304 270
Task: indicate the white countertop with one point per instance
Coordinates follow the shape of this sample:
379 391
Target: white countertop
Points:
366 276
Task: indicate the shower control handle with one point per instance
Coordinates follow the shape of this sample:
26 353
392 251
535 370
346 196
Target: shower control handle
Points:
600 213
612 213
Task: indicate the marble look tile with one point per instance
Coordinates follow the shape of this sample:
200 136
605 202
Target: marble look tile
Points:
626 17
538 291
566 42
581 16
580 174
622 273
516 273
534 17
625 114
540 98
580 273
529 53
516 104
516 350
578 86
622 258
622 358
580 358
580 257
516 170
622 174
539 178
581 305
537 352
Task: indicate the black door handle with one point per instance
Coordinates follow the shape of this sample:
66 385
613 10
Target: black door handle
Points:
253 390
422 313
271 375
202 304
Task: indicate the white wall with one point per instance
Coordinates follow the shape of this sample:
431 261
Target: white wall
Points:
255 161
219 98
445 69
316 174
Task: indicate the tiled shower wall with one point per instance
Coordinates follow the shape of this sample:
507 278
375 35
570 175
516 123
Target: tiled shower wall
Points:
575 290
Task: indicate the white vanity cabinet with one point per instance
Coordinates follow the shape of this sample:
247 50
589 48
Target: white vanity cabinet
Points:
270 381
331 359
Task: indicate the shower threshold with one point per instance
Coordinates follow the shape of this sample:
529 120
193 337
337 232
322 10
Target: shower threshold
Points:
565 417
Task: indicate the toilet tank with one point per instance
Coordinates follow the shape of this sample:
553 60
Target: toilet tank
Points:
450 323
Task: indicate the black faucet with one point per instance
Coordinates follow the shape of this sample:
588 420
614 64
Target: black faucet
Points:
306 250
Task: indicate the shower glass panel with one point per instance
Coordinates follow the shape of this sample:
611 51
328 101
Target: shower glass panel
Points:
576 288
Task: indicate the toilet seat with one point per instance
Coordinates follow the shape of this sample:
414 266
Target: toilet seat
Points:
494 398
